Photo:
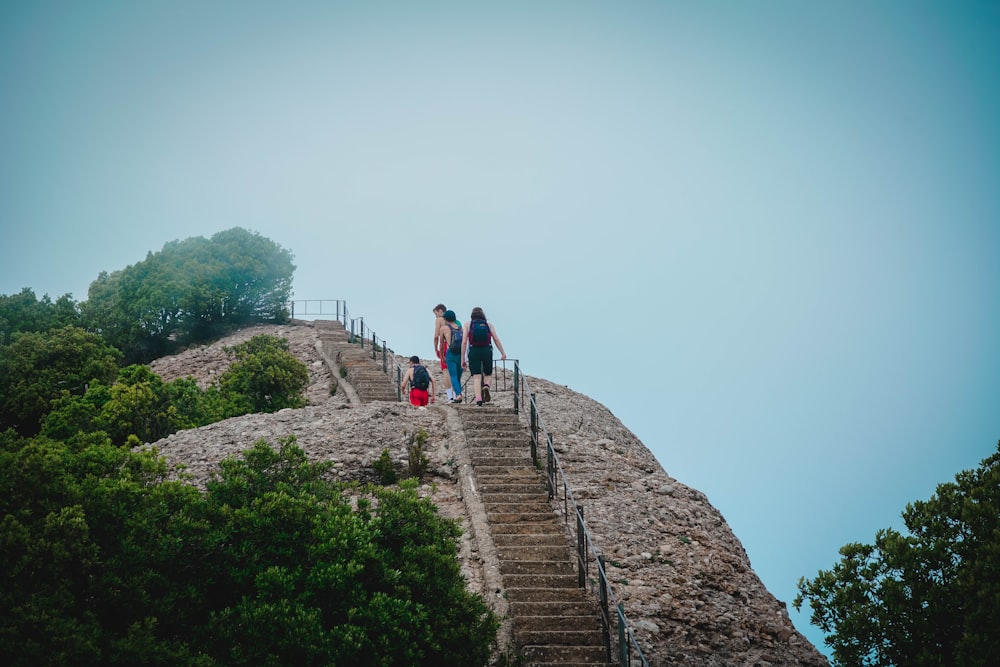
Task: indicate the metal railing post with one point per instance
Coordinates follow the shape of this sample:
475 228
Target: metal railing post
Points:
534 430
605 616
581 550
550 465
624 655
517 396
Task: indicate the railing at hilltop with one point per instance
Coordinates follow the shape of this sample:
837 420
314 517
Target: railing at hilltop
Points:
321 308
356 328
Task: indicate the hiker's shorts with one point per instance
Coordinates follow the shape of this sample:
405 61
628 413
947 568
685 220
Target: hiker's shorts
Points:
481 360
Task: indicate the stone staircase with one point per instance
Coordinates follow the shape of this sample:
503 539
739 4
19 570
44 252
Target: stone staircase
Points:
554 621
363 373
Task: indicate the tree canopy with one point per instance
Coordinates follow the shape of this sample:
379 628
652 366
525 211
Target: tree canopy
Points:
37 368
24 311
190 291
106 560
264 377
928 598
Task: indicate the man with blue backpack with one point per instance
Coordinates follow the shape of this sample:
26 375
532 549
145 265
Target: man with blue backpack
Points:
451 331
477 352
421 383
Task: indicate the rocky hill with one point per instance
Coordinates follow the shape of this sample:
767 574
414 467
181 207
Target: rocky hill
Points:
687 585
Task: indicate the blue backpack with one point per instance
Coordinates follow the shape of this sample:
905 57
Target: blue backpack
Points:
456 339
479 333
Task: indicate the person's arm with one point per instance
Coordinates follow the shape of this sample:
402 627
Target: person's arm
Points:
438 321
406 378
493 332
433 390
465 344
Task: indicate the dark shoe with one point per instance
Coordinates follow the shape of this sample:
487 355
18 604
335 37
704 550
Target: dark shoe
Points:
457 400
479 403
486 393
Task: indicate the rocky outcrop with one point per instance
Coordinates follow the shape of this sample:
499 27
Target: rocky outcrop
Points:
687 585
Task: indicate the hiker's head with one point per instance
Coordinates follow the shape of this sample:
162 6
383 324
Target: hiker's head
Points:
414 359
477 314
439 309
449 316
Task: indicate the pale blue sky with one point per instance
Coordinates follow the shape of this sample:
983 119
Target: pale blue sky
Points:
764 234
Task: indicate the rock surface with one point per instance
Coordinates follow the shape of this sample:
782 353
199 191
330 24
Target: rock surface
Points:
685 580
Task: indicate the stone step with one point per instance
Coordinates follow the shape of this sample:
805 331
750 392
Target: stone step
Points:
533 552
499 461
518 474
537 566
578 609
526 528
514 491
534 594
567 637
497 447
565 656
521 517
536 504
520 482
541 581
552 539
511 492
485 421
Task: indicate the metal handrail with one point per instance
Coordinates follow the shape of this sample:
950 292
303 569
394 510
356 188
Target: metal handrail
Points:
625 636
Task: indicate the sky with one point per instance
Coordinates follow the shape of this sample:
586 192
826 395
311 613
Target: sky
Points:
764 234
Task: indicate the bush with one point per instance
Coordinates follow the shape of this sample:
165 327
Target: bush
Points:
385 469
264 377
105 560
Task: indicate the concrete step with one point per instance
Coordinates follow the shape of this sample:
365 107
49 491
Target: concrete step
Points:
537 504
521 517
550 595
501 441
516 540
480 461
501 489
561 567
539 656
579 609
533 552
567 637
491 492
508 474
541 581
526 528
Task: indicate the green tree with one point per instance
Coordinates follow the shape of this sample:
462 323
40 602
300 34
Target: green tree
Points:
190 291
928 598
106 559
24 312
38 368
265 377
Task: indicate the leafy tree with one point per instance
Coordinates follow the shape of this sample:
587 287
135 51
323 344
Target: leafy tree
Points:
105 559
38 368
265 377
190 291
24 312
928 598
